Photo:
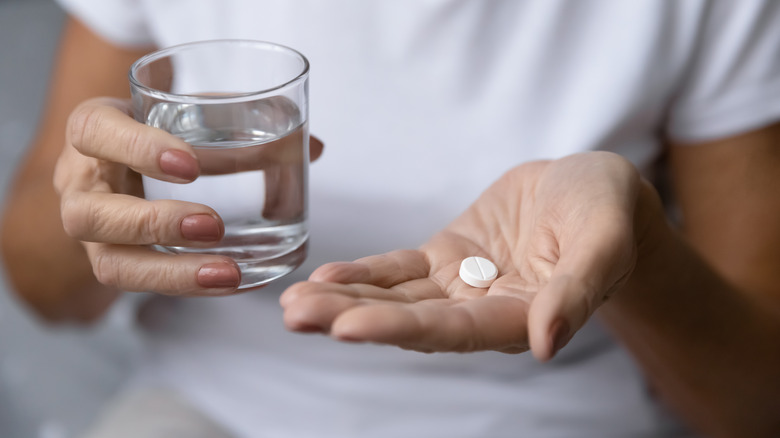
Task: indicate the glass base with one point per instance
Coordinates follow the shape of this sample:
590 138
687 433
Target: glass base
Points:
256 273
257 267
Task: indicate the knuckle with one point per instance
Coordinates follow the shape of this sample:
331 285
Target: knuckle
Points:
157 277
151 224
170 278
73 218
332 272
61 177
83 122
300 290
96 120
104 268
136 146
475 340
116 269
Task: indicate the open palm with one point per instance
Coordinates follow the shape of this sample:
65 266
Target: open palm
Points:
560 232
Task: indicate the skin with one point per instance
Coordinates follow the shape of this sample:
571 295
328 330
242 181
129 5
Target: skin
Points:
582 233
415 298
58 227
698 307
33 239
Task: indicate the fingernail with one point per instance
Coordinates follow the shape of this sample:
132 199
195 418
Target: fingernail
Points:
308 328
559 334
179 164
218 275
201 228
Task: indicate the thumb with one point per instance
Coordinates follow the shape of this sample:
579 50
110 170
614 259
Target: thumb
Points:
579 284
556 313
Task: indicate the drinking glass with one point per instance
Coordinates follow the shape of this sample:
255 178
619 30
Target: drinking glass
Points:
243 106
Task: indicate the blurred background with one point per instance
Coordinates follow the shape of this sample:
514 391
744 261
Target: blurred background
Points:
52 379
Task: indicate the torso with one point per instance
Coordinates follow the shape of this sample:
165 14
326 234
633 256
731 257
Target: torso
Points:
421 105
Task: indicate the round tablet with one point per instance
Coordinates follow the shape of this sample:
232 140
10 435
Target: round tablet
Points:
478 271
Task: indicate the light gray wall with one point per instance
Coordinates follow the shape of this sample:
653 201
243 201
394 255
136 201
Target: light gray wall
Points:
52 380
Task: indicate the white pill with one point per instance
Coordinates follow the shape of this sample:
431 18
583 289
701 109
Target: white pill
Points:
478 271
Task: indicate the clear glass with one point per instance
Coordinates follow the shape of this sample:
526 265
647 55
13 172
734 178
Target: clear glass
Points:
243 106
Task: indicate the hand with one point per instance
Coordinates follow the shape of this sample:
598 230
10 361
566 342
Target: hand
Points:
98 179
562 234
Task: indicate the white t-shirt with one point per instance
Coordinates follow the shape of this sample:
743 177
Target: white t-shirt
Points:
421 105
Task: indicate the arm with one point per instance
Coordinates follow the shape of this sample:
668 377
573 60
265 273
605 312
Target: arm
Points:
96 230
701 312
48 269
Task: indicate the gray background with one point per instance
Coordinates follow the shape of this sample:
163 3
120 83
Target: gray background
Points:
53 380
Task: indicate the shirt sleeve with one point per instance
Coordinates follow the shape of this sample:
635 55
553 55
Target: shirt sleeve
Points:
732 83
120 22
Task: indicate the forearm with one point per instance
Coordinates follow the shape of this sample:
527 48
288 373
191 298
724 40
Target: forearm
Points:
48 270
709 349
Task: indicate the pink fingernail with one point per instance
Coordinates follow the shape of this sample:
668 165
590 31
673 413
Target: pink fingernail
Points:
179 164
201 228
308 328
218 275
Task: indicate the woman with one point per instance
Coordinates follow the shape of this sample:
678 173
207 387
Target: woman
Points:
427 107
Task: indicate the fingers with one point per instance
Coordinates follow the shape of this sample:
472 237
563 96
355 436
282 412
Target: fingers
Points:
102 128
556 313
283 151
316 313
385 270
128 220
135 268
92 173
285 193
367 313
313 306
315 148
487 323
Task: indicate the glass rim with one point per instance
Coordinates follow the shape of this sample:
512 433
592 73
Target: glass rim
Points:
205 98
